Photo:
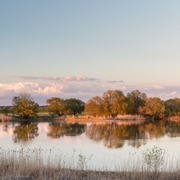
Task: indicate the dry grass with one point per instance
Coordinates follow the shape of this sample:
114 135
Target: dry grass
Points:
121 120
174 118
43 173
27 164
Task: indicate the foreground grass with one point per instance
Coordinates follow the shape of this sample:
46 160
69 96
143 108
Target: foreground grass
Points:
19 172
28 165
43 173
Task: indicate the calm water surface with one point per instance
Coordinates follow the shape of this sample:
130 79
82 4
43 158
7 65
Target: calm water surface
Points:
105 146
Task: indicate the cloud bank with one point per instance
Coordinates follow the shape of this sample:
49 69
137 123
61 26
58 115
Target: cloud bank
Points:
81 87
78 78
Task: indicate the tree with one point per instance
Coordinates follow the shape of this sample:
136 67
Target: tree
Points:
111 104
115 103
95 106
74 106
56 106
154 108
24 106
135 100
172 107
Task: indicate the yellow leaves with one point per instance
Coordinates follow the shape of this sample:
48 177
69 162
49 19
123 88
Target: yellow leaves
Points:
24 106
154 108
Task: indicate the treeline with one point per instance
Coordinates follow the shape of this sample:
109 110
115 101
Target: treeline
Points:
111 104
25 107
115 102
62 107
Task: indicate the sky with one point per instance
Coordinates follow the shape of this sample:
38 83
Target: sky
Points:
80 49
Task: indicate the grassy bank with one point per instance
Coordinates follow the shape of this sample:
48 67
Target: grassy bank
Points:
121 120
20 171
56 174
28 164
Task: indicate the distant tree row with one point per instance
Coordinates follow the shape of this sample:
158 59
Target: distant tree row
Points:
25 107
111 104
58 106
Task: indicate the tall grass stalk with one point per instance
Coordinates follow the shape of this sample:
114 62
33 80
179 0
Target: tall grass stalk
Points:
29 164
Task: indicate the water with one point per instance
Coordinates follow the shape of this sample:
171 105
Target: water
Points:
100 147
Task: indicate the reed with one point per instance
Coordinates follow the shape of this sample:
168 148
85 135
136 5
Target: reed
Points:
28 164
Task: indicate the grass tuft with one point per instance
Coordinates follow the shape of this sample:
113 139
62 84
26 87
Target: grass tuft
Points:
28 164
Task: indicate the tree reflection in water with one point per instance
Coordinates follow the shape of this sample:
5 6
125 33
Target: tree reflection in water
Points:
173 129
111 134
57 130
25 132
114 135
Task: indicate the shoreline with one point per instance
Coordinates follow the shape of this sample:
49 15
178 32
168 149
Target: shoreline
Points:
104 121
174 119
120 120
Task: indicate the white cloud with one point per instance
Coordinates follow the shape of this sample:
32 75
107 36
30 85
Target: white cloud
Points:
67 78
80 87
153 87
14 87
48 89
113 81
79 78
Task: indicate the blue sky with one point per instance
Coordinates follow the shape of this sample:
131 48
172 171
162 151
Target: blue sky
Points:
81 48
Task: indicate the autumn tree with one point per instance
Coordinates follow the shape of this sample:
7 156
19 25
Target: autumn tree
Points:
24 106
95 106
74 106
115 103
56 106
135 99
111 104
154 108
172 107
